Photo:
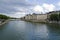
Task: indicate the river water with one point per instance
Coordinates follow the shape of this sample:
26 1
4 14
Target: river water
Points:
21 30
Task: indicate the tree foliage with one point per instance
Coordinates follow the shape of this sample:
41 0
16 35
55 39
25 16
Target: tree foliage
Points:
3 16
59 16
54 17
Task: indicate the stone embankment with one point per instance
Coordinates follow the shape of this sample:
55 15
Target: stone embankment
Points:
58 22
4 22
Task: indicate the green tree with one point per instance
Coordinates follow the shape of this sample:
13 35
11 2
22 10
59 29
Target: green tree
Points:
3 16
59 16
54 17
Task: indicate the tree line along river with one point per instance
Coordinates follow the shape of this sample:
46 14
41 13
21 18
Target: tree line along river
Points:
21 30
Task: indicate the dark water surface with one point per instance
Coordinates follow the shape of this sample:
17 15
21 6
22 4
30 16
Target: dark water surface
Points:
20 30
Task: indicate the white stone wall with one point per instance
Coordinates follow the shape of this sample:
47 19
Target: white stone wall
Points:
34 17
38 18
29 17
42 17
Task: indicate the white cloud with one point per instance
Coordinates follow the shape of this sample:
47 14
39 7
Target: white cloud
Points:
19 14
38 8
15 14
48 7
58 3
44 8
21 9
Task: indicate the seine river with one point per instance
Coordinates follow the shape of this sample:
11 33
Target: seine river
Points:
21 30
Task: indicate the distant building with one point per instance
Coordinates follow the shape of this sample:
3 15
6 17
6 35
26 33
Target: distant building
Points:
28 17
37 17
42 17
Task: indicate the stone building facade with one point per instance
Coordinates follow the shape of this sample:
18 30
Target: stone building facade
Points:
37 17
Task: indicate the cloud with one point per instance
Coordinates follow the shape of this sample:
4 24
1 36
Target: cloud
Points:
44 8
58 3
19 14
21 9
38 8
13 7
15 14
48 7
8 6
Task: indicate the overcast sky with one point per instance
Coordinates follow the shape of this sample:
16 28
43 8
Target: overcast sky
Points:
18 8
